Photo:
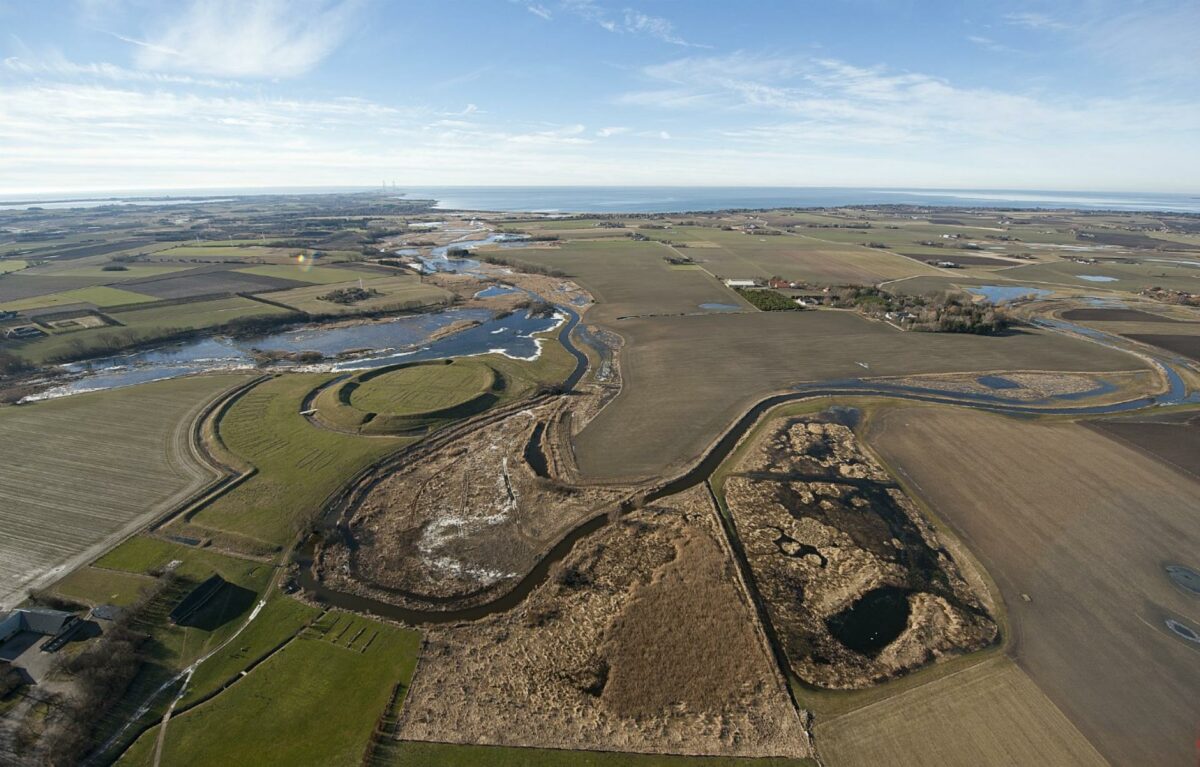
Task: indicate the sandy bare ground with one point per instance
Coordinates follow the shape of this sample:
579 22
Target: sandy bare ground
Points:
641 641
1083 527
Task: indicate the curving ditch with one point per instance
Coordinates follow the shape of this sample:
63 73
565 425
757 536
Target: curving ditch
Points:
710 461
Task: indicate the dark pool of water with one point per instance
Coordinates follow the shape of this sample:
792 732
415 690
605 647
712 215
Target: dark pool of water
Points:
715 307
496 290
1185 578
998 382
873 622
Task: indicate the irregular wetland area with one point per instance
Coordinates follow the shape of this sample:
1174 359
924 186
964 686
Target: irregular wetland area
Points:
646 519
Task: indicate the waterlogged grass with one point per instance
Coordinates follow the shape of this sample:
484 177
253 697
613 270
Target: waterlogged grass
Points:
314 702
298 464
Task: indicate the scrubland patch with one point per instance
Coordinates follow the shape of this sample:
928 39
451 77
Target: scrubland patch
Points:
641 641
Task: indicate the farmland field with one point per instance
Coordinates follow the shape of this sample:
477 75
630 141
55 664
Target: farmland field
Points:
1128 277
1075 531
989 714
686 378
631 278
100 295
82 472
395 292
316 275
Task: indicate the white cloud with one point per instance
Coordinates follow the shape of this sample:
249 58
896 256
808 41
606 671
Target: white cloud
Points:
246 38
615 130
662 134
539 10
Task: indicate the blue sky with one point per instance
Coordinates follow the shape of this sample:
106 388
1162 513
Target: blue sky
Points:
130 94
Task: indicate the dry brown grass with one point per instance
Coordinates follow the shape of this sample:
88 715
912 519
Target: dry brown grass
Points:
642 641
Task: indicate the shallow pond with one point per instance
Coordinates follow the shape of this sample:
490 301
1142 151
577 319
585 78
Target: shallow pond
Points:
998 382
380 343
1002 294
1096 278
716 307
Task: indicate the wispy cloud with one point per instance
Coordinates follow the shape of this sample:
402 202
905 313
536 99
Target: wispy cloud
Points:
539 10
1031 20
989 44
609 132
55 66
246 38
833 103
628 21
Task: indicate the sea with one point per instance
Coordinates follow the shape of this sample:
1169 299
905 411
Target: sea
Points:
661 199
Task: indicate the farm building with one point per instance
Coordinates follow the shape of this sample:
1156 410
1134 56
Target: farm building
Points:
52 623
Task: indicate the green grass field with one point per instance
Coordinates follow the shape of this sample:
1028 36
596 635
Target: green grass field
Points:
12 265
131 271
97 586
298 464
314 702
100 295
250 254
395 292
423 388
316 275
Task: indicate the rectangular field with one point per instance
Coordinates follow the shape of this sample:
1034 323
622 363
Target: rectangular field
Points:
99 295
990 715
688 378
313 275
395 293
1075 530
631 278
304 690
82 471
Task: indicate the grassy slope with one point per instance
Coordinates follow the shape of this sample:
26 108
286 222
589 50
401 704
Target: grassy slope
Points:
298 464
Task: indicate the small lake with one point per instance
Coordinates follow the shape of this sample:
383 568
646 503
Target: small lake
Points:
376 343
715 307
496 290
1096 278
1002 294
873 622
441 260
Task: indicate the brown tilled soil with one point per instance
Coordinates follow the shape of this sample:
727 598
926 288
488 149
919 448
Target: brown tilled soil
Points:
471 516
823 526
1113 315
1075 530
1186 345
642 640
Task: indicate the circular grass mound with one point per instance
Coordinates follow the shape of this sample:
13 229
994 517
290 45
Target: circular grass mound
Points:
410 397
417 390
